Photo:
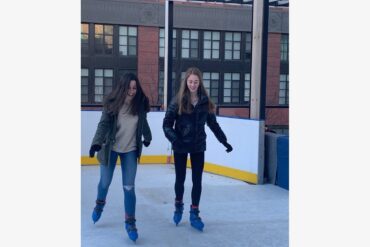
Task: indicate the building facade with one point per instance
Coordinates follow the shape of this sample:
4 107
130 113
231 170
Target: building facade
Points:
128 36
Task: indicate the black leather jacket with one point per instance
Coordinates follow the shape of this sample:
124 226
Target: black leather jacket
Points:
189 128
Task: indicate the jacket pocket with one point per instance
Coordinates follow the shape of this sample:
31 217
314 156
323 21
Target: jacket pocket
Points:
103 154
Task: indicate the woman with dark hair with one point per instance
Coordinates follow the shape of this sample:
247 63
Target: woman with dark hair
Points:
183 126
119 134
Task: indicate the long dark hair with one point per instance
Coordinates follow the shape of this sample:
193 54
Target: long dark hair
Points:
183 95
115 100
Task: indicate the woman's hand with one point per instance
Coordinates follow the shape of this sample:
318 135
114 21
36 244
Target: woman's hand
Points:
94 148
229 148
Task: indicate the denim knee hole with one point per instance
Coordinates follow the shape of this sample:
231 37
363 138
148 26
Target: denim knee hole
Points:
128 187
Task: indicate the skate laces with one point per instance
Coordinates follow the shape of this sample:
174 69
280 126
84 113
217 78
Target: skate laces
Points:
130 224
99 206
195 213
179 207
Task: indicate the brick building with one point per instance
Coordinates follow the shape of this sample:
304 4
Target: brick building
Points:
127 35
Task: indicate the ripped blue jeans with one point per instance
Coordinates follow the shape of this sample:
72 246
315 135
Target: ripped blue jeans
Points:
128 167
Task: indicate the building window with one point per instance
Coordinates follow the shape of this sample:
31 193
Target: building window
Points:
211 82
247 87
161 87
189 44
232 45
231 88
284 90
84 85
284 48
175 86
174 40
211 45
103 84
103 39
248 46
127 41
84 38
162 40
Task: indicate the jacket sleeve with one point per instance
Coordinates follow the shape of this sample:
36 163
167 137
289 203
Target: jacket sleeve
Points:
102 129
215 127
146 130
169 121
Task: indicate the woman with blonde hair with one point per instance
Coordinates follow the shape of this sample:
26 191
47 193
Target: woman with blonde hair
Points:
183 126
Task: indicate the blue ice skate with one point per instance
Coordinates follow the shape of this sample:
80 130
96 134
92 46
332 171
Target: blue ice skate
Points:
195 220
131 228
97 210
179 208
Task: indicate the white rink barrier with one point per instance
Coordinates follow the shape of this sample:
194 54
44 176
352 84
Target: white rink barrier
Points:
245 162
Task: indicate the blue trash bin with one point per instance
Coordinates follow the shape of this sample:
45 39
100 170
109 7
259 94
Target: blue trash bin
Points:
282 175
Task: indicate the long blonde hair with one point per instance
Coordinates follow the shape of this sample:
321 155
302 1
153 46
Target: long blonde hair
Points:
183 95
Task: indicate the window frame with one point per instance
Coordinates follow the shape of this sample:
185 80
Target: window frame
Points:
104 86
104 35
212 42
127 37
284 91
85 46
248 44
211 88
245 88
231 88
190 39
174 40
233 42
87 86
284 48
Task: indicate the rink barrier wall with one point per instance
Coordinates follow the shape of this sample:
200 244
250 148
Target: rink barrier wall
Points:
244 163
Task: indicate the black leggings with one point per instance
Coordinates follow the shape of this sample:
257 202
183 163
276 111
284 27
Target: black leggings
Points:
197 165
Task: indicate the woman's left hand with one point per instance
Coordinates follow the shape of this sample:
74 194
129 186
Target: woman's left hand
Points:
229 148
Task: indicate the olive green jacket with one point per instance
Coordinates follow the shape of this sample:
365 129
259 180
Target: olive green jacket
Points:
106 132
